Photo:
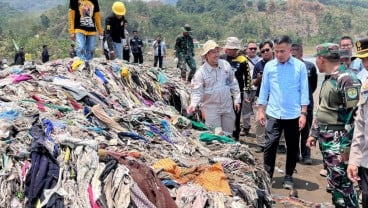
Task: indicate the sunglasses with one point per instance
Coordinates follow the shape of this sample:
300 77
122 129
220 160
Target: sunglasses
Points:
253 49
265 50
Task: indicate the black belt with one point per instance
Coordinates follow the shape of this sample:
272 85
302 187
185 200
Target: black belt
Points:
331 127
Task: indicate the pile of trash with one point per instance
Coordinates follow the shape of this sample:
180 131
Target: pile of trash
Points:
113 134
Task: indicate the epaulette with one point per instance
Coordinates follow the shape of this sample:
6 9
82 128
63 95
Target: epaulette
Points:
241 59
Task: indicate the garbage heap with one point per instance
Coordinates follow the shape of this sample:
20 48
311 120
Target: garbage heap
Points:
111 134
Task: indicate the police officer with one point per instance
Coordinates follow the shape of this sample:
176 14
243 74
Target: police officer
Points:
333 125
240 66
359 149
212 87
184 48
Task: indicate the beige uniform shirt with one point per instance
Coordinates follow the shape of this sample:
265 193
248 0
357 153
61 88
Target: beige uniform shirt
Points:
359 146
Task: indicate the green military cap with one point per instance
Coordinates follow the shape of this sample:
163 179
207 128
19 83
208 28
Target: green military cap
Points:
328 50
362 48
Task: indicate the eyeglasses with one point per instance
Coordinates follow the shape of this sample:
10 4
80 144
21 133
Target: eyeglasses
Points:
265 50
253 49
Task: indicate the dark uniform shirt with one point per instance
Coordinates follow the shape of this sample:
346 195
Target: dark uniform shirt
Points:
258 69
114 30
184 46
242 72
134 43
312 81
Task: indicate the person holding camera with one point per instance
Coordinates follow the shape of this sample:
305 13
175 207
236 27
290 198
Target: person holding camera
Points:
266 48
159 51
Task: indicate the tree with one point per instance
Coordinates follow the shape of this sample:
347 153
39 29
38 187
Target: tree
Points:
45 21
261 5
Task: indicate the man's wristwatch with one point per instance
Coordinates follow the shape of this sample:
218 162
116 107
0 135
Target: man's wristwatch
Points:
304 113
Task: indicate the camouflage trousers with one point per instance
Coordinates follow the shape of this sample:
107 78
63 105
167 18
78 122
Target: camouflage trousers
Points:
183 61
335 146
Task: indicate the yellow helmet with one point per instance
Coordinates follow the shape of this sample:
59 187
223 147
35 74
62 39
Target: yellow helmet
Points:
118 8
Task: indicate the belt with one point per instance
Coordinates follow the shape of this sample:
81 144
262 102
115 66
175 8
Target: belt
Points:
331 127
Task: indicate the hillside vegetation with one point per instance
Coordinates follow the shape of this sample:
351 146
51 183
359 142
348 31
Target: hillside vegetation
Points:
306 21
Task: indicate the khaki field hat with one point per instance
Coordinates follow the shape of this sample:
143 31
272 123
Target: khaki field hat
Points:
209 45
232 43
362 48
186 28
118 8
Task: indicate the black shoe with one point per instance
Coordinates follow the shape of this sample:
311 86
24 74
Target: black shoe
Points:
329 189
235 136
288 182
259 149
307 161
281 149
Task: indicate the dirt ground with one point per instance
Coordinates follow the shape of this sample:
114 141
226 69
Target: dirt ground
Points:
309 184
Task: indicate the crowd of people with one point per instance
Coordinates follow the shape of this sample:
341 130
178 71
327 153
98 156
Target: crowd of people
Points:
269 80
280 93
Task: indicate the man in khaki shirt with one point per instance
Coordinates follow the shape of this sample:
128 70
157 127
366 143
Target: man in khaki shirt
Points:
358 158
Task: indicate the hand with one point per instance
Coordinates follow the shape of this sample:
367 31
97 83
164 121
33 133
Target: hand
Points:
247 100
191 109
352 172
261 117
112 55
72 36
302 121
311 142
237 107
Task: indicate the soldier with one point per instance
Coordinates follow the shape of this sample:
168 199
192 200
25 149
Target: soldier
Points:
332 126
184 48
359 149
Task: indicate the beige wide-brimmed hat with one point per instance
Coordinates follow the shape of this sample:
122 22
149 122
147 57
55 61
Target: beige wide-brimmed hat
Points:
186 28
232 43
209 45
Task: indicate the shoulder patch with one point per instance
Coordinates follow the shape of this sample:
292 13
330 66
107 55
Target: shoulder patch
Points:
352 93
241 59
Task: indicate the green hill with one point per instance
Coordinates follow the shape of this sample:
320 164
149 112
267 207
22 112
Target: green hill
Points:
309 22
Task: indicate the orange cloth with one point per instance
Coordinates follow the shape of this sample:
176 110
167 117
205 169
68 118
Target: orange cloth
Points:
212 178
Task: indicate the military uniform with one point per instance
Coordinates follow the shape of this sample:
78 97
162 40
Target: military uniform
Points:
184 48
333 127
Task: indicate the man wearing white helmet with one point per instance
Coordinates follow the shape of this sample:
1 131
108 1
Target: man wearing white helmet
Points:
114 30
212 87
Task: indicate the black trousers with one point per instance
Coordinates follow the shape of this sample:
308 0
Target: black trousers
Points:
138 58
159 60
236 133
274 128
363 183
126 55
304 134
